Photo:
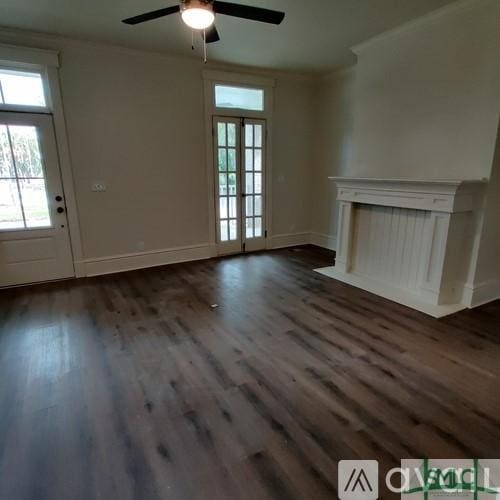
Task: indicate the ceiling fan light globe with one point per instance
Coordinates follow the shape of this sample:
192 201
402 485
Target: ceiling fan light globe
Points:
198 18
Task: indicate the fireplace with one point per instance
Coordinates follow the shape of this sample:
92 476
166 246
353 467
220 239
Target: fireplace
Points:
411 241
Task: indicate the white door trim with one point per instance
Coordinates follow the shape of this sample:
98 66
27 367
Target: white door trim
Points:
210 79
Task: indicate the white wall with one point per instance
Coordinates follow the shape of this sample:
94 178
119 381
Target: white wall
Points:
135 121
488 267
427 97
332 149
292 156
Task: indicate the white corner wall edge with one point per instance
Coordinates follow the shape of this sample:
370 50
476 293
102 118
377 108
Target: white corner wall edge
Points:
482 293
398 295
129 262
324 241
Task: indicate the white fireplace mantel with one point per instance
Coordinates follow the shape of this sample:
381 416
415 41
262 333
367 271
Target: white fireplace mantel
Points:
407 240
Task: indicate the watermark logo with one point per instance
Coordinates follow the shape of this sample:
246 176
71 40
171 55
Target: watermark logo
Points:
429 479
358 480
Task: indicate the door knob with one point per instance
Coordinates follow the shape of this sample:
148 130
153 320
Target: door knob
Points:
60 210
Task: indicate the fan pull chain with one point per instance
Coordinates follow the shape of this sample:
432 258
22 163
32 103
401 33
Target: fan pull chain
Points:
192 39
205 46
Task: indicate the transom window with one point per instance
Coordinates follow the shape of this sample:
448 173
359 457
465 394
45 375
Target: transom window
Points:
23 199
21 88
239 98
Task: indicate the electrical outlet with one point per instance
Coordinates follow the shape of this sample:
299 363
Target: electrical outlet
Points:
99 187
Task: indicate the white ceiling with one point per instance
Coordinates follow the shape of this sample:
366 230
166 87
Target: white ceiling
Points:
314 37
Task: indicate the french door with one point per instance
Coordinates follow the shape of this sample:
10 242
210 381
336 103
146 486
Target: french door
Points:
34 238
240 194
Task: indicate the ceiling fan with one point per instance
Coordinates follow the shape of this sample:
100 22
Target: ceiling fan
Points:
200 15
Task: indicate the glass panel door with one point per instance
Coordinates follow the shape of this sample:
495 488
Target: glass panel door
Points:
239 158
254 184
34 238
227 185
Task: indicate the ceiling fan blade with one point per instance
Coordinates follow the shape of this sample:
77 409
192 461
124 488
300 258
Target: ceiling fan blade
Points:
212 35
247 12
149 16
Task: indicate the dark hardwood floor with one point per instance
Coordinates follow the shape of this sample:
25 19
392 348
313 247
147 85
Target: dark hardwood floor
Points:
132 386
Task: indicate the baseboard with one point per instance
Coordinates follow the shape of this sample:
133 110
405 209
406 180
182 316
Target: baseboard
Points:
324 241
290 240
482 293
129 262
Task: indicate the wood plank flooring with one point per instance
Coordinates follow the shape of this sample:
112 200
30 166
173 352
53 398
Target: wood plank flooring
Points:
132 386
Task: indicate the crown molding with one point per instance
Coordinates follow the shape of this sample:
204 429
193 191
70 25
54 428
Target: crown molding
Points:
28 56
417 24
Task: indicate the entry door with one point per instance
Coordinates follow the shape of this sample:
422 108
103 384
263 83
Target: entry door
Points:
239 146
34 238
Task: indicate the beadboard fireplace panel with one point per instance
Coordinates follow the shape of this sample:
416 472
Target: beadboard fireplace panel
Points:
409 241
388 244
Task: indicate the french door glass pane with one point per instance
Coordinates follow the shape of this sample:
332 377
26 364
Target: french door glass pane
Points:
11 215
233 229
248 136
258 227
6 164
248 183
232 184
231 160
222 184
232 207
258 136
34 198
249 207
223 230
249 227
23 196
258 205
249 159
221 134
223 208
26 151
258 160
231 135
222 159
258 183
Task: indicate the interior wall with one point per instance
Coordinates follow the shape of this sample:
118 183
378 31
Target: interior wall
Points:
488 262
292 150
332 149
427 97
135 122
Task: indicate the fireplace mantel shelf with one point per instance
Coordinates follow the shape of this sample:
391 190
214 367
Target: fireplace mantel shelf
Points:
408 240
433 195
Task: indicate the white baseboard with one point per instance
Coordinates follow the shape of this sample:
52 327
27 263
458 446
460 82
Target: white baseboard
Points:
140 260
129 262
324 240
482 293
289 240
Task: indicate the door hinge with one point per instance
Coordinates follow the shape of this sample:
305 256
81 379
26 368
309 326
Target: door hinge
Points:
242 122
213 131
265 233
244 247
